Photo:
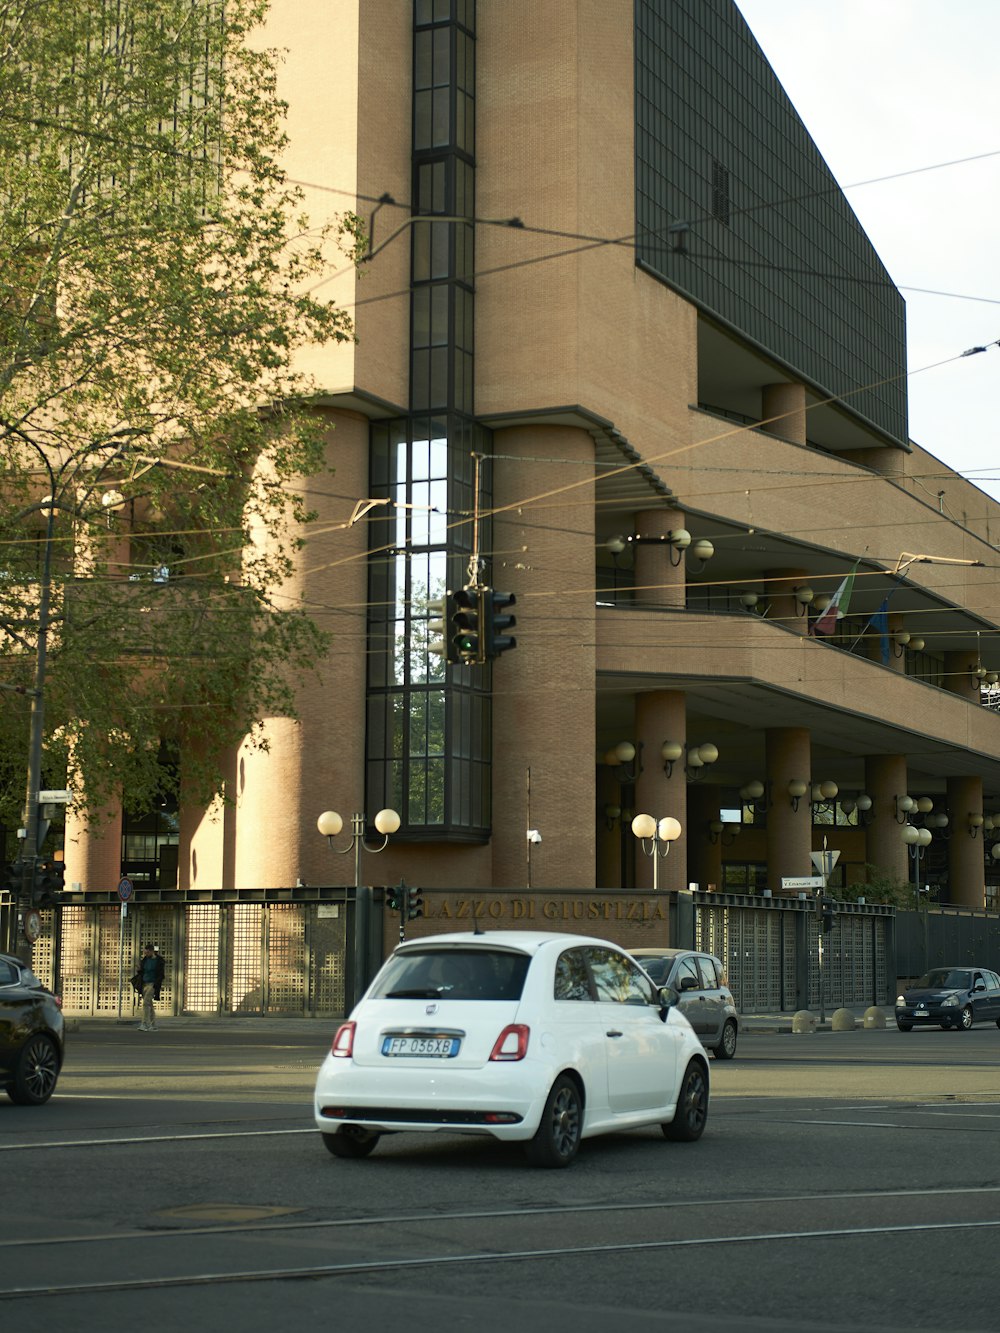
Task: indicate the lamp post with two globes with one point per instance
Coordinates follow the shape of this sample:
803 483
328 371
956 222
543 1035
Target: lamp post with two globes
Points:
659 834
330 825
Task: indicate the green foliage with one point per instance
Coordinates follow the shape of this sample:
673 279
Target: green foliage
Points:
879 886
154 294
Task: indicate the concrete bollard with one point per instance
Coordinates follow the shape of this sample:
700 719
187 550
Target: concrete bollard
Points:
875 1018
842 1020
803 1021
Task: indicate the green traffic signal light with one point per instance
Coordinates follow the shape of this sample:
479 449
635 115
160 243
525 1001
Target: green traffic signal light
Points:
465 639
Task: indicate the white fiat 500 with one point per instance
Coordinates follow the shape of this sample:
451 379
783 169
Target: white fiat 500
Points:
539 1038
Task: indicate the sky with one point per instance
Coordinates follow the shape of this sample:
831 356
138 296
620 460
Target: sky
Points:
892 86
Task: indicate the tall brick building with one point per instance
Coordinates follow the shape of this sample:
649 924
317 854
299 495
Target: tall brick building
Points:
624 351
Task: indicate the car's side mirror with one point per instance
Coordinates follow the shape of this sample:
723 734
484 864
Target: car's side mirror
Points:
689 983
668 998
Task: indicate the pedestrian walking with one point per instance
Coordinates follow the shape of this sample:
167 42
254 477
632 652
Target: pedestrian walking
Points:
148 979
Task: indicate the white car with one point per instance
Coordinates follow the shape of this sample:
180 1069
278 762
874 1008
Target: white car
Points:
539 1038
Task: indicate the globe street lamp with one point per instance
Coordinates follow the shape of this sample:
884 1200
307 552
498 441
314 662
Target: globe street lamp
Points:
330 825
659 834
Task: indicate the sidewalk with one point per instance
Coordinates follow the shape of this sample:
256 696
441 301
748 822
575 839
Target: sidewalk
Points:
326 1024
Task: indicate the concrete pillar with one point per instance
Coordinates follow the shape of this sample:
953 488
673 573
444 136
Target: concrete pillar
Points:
959 677
704 855
783 411
659 581
544 714
966 869
207 837
779 589
885 779
789 828
660 716
317 763
94 850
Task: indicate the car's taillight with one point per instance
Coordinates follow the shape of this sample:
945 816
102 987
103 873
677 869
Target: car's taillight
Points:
512 1043
343 1041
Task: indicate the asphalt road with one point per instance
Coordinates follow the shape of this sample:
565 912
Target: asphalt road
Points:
845 1181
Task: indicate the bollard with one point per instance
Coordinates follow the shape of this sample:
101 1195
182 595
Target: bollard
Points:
842 1020
875 1018
803 1021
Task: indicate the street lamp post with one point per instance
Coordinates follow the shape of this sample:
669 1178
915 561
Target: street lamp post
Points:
917 841
658 834
330 825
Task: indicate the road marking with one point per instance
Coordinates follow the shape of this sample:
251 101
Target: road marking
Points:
150 1138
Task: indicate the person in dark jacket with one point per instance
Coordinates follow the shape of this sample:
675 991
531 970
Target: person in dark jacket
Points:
149 976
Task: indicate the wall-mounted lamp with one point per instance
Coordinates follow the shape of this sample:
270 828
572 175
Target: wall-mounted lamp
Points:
726 833
678 540
823 793
616 544
612 814
924 806
974 823
995 851
755 795
979 672
821 601
698 759
625 759
659 833
796 790
905 805
899 641
803 598
862 803
749 600
670 752
702 550
916 645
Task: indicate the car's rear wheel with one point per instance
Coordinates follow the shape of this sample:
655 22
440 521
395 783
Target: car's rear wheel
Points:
965 1019
36 1072
692 1106
351 1141
557 1139
726 1048
904 1027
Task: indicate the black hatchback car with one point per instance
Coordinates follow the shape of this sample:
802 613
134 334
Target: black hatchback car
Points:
954 997
31 1035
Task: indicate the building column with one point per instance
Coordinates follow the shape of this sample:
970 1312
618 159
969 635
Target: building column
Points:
885 850
966 869
789 824
544 713
93 851
959 675
317 763
704 855
783 605
783 411
658 580
206 842
661 715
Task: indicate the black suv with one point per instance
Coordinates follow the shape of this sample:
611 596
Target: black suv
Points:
31 1035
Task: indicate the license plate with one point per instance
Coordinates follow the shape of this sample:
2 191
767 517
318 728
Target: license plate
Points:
441 1048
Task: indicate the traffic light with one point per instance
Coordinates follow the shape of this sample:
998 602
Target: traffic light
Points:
48 883
13 877
392 898
465 638
496 622
827 909
414 904
440 613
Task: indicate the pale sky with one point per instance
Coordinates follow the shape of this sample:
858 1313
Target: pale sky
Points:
889 86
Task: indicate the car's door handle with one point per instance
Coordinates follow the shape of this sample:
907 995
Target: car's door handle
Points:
613 1032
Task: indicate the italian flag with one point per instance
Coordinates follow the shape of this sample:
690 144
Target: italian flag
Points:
839 602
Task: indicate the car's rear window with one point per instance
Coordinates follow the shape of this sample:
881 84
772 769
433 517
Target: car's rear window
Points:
453 974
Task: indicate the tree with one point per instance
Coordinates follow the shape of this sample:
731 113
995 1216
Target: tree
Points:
154 281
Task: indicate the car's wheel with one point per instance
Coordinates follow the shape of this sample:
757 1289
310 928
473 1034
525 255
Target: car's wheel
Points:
557 1139
965 1019
726 1048
351 1141
36 1072
904 1027
692 1106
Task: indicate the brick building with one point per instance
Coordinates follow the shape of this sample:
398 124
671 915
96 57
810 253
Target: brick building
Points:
624 351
